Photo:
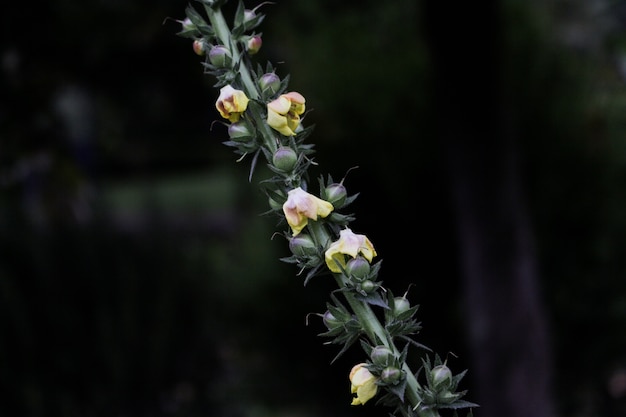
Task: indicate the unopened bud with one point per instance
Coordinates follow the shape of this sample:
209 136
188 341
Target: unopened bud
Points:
187 25
336 194
302 245
269 82
401 304
198 47
441 376
239 130
285 158
219 55
254 44
391 375
331 321
358 267
381 355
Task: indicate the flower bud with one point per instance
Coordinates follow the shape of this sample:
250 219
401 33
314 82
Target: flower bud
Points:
368 286
239 130
198 47
391 375
254 44
187 25
330 321
381 355
220 56
336 194
401 304
441 376
358 267
248 15
285 158
270 82
302 245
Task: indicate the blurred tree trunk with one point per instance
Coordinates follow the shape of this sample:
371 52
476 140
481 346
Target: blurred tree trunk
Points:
510 368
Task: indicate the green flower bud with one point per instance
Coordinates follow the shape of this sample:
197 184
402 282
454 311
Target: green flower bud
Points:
330 321
269 82
220 56
303 245
249 15
368 286
239 130
381 355
336 195
187 25
401 304
285 158
391 375
358 268
441 377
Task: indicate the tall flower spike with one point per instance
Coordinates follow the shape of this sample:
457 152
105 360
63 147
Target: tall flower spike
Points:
350 244
302 206
283 114
231 103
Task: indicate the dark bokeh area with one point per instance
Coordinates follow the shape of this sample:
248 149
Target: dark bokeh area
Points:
138 278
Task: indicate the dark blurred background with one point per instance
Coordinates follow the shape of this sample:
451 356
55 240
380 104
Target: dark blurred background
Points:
138 279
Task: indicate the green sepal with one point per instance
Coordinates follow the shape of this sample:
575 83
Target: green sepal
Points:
201 25
374 299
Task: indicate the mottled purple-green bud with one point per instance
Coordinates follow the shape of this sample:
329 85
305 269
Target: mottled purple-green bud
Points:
302 245
358 267
220 56
187 25
330 321
239 130
285 158
391 375
269 82
381 355
336 194
441 377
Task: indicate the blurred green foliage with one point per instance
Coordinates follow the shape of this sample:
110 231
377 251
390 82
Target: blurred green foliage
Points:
136 277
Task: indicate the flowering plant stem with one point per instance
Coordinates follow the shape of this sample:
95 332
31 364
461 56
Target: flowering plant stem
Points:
266 120
368 319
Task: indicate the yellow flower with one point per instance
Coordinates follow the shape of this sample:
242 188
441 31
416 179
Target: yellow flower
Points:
231 103
348 244
302 206
283 114
363 384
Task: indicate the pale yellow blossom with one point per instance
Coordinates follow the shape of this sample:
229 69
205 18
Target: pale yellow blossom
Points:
302 206
350 244
363 384
231 103
283 114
